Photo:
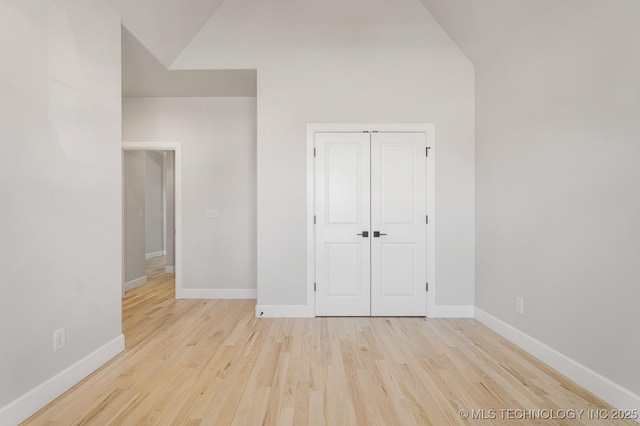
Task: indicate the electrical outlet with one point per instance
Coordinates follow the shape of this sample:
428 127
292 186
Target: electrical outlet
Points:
140 214
520 305
59 339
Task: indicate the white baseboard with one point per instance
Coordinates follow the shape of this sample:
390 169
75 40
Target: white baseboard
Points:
595 383
28 404
284 311
170 269
211 293
154 254
304 311
450 311
140 281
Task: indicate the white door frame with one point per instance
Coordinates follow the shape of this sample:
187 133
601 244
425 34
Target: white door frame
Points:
314 128
177 148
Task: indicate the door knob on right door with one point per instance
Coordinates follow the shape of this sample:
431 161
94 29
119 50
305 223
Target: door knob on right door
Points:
377 234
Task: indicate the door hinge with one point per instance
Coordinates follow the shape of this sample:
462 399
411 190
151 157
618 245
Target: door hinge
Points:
427 288
314 219
427 219
314 152
426 150
314 286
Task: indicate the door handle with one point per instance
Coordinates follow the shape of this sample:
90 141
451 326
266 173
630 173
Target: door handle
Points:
365 234
377 234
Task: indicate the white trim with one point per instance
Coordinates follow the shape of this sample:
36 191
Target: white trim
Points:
429 130
130 285
177 148
170 269
217 293
148 256
28 404
595 383
285 311
164 201
311 235
451 311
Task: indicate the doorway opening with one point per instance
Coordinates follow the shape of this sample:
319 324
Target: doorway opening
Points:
157 249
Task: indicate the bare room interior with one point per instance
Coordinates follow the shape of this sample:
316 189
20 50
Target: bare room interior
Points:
340 212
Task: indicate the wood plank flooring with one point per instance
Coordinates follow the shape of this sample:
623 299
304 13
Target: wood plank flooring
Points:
193 362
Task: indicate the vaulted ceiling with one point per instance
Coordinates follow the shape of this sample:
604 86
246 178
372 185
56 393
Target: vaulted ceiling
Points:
144 76
165 27
482 27
162 29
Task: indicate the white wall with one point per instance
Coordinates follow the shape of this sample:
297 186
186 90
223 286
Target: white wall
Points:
134 215
558 132
219 172
356 61
61 192
558 205
154 203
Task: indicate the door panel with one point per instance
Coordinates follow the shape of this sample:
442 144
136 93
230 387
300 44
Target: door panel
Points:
343 268
397 269
344 182
398 209
397 180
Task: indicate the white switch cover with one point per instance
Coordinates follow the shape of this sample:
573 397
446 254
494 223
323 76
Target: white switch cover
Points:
59 339
140 213
213 213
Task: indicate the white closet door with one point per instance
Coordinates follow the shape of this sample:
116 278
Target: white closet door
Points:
342 212
398 213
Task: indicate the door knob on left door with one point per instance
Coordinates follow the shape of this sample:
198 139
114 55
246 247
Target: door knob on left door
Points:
365 234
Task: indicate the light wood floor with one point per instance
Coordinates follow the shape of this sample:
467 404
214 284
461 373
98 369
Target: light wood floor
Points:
211 362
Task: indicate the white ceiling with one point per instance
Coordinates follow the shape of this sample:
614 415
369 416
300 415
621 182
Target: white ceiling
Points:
144 76
165 27
481 27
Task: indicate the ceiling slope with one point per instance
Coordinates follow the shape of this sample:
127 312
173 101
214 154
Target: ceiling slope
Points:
482 27
165 27
144 76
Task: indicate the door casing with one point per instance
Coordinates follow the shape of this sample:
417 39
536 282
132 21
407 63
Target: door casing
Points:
429 130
